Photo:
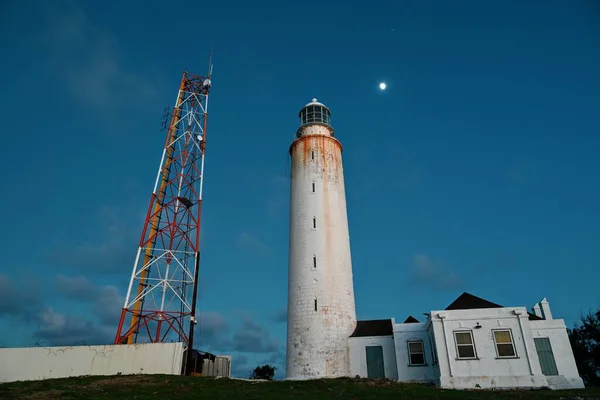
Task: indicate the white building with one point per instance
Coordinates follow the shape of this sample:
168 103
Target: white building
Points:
321 312
473 343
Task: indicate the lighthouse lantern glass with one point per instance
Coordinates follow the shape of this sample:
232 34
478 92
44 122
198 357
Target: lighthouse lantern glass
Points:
315 115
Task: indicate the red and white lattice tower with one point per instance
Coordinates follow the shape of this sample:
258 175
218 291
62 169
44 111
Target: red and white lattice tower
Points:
161 298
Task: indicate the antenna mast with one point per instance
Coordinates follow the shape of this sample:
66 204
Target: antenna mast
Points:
163 287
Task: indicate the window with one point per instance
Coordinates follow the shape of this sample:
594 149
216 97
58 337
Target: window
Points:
416 353
504 343
312 154
465 348
313 187
315 304
314 261
315 114
314 222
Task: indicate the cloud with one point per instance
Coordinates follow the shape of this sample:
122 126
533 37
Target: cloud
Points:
20 298
240 366
212 328
76 288
103 304
251 337
93 321
247 337
113 253
105 301
88 59
433 273
248 343
59 329
254 244
277 360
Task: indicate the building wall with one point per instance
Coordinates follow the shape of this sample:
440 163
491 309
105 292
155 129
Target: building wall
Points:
556 331
486 370
358 355
317 338
37 363
403 333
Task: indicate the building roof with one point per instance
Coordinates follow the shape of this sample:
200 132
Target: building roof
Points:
533 317
315 102
375 327
411 320
467 301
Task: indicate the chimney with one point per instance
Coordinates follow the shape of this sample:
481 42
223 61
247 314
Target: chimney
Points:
547 314
537 310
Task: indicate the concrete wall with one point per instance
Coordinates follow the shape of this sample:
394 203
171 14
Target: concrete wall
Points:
317 338
358 355
36 363
403 333
556 331
486 370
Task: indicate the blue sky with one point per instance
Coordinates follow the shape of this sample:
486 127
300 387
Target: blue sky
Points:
476 170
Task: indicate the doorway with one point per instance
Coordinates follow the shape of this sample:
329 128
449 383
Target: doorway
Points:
375 366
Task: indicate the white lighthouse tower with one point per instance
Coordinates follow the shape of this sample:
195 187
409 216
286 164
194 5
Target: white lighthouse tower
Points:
321 310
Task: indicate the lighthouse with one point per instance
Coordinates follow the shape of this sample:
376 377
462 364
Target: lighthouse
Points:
321 309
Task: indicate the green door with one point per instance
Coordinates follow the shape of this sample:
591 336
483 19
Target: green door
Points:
544 351
375 367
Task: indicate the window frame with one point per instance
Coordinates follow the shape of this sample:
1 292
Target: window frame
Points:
315 114
512 342
410 361
456 345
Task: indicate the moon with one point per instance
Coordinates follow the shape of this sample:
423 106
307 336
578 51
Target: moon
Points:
382 86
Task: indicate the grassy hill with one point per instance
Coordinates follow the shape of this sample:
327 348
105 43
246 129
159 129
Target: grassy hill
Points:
148 387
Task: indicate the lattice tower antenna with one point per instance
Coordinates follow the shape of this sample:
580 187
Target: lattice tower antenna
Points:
161 298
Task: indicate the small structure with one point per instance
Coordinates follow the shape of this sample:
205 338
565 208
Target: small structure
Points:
208 364
473 343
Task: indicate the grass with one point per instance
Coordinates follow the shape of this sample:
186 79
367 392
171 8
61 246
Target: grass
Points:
148 387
